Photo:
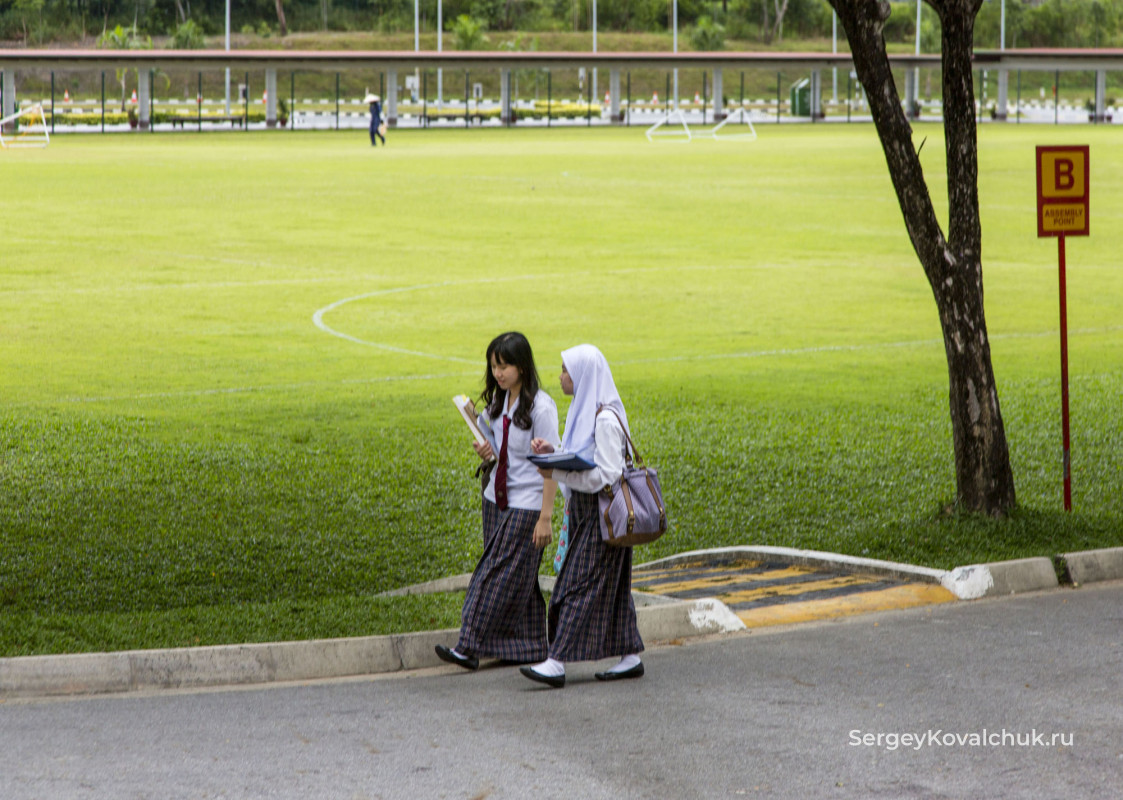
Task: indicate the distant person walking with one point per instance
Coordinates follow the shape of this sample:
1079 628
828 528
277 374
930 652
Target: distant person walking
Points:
591 613
377 130
504 614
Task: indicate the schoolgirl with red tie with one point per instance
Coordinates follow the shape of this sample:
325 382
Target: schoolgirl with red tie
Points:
504 613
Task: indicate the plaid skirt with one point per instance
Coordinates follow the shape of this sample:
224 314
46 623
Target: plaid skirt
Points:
592 615
504 614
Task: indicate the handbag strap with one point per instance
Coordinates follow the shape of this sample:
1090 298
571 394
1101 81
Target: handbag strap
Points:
634 453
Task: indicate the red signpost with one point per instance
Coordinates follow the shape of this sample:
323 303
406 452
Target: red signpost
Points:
1062 210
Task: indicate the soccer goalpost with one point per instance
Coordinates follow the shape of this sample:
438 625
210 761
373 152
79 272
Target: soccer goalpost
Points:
26 128
673 128
742 136
676 130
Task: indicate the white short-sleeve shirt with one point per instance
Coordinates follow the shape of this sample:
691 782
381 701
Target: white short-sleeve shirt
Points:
524 483
608 457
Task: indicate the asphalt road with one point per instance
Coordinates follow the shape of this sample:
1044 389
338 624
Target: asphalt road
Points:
1017 697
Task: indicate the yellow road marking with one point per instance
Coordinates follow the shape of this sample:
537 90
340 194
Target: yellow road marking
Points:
909 595
716 581
794 588
693 569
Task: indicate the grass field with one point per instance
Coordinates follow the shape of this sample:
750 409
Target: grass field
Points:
226 360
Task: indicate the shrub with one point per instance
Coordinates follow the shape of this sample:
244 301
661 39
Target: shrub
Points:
707 36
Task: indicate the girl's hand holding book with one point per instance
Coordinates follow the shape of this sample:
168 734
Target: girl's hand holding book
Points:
541 446
484 451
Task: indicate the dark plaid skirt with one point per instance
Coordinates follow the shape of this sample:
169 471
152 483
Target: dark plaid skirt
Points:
504 614
592 615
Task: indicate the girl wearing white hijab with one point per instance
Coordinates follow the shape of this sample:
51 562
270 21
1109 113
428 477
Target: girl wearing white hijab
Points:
591 614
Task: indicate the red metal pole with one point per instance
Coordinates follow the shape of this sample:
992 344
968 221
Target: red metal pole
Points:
1064 376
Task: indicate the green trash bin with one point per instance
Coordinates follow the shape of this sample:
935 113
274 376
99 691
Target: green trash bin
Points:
800 97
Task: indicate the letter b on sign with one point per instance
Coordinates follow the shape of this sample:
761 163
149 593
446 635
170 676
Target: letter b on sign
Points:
1062 174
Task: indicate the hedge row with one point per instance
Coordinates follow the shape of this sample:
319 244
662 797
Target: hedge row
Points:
122 117
541 108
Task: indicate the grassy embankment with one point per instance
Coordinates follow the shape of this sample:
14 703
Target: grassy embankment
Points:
185 457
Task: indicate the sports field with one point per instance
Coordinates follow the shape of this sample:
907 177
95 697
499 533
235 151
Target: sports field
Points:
226 360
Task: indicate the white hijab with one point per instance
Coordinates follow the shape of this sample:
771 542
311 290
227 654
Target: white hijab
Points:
592 386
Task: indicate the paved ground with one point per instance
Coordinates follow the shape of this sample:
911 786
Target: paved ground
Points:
1018 697
765 593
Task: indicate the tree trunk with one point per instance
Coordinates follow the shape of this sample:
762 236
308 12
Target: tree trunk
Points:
953 266
282 26
778 29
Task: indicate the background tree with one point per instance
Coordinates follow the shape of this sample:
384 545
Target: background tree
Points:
469 33
282 26
124 39
33 10
707 35
777 31
952 264
187 36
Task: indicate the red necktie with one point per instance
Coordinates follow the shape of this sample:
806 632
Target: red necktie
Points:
501 469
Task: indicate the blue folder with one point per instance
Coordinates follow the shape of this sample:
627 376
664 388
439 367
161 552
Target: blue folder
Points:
558 460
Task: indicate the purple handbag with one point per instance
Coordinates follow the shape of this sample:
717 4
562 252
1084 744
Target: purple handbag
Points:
631 509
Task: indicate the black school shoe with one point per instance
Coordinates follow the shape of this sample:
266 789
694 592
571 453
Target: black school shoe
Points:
556 681
634 672
468 662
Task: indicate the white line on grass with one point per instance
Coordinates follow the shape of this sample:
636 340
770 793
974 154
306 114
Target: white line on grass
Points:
283 387
667 359
318 320
318 316
158 287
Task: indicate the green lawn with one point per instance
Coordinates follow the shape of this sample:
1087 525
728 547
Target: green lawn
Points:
226 360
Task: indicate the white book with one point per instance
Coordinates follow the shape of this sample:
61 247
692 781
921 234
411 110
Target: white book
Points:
477 426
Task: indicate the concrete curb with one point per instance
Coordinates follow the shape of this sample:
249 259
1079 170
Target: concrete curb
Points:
1093 565
805 558
659 619
1002 578
225 665
966 583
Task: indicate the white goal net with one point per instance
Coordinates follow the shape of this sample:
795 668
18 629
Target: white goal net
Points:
674 128
25 128
671 128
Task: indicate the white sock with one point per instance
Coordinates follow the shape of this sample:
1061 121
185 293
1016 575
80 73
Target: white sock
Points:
457 653
626 663
550 667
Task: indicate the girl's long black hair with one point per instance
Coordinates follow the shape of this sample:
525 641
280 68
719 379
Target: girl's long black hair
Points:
511 348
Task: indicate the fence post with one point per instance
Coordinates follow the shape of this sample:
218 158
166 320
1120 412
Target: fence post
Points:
849 104
1018 102
144 98
270 98
588 103
778 90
